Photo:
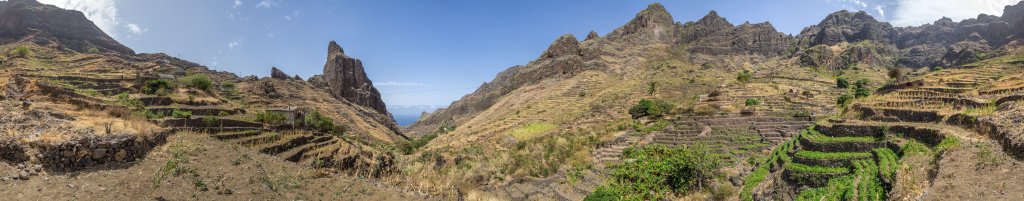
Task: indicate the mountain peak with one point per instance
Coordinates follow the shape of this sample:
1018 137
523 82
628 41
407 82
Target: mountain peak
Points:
655 21
333 47
21 19
713 21
564 45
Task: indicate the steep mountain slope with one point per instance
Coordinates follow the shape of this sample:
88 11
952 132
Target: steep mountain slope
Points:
741 89
76 101
28 20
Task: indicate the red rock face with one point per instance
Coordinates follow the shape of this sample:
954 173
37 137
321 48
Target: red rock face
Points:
48 24
345 79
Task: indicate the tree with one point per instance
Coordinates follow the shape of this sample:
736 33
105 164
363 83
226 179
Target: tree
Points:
841 82
645 107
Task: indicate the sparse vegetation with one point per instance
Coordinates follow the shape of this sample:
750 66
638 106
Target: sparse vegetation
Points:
269 117
93 50
656 171
197 81
744 76
652 86
530 131
844 100
20 52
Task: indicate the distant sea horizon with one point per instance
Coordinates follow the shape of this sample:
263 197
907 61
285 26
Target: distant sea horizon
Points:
405 120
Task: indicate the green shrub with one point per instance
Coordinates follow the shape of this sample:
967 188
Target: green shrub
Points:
844 100
655 170
841 82
744 76
158 87
752 102
125 100
862 83
269 117
210 120
181 113
603 193
322 123
198 81
651 87
652 108
93 50
22 52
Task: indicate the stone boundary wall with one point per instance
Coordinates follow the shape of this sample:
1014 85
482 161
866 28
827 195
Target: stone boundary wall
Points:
78 154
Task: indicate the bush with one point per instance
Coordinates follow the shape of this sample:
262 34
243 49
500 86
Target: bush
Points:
744 76
93 50
655 170
862 83
410 146
752 102
210 120
272 118
841 82
322 123
861 92
158 87
181 114
844 100
602 193
198 81
22 52
652 108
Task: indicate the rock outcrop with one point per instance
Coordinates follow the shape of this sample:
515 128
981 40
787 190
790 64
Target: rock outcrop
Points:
49 25
714 35
653 24
845 26
345 78
591 36
278 74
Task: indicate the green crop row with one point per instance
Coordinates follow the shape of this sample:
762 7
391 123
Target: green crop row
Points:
887 162
815 169
869 186
831 155
780 155
813 135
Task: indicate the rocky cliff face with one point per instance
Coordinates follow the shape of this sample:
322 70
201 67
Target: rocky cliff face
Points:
714 35
50 25
653 24
845 26
345 78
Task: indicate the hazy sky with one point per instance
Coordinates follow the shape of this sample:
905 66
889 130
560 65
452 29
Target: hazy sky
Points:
432 52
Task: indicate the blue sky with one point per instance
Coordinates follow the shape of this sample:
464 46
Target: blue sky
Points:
430 53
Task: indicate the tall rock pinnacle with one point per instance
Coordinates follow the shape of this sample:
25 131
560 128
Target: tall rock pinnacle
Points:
346 79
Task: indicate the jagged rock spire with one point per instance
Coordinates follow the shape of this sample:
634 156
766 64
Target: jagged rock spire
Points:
346 79
564 45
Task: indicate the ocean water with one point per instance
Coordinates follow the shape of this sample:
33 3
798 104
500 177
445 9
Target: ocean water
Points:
405 120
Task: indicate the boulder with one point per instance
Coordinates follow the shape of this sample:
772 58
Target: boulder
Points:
591 36
278 74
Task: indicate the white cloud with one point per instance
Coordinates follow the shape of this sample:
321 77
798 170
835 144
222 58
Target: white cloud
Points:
880 10
400 84
918 12
235 43
266 4
858 2
237 3
102 12
135 29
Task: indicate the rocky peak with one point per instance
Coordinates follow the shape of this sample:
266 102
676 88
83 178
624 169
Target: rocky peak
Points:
1013 13
592 35
713 21
278 74
654 22
844 26
345 78
564 45
48 24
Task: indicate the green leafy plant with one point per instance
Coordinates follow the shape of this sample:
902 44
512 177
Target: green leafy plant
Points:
744 76
844 100
158 87
653 108
210 120
93 50
656 170
319 122
22 52
841 82
269 117
198 81
752 102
